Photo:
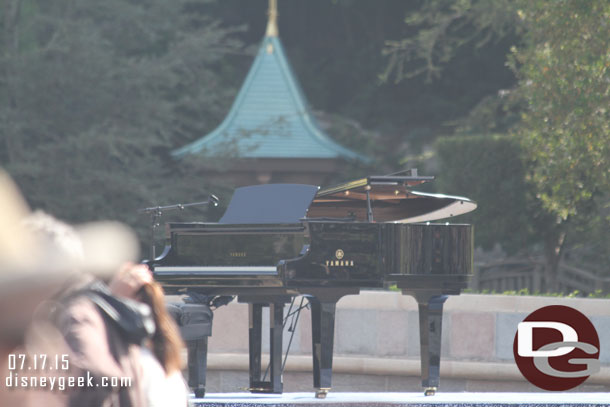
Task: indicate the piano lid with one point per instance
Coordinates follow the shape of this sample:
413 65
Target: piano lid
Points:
392 200
269 203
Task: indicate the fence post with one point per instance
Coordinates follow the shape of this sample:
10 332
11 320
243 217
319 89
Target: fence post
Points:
475 281
537 279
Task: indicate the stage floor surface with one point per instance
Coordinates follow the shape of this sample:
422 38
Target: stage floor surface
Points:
404 399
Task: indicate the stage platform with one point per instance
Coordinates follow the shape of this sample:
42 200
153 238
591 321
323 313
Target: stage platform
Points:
405 399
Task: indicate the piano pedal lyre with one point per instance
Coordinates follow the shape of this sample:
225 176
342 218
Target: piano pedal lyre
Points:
321 393
430 391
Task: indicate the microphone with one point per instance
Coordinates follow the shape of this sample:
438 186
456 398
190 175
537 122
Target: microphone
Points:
156 212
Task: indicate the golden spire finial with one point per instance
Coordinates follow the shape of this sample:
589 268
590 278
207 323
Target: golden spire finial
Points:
272 30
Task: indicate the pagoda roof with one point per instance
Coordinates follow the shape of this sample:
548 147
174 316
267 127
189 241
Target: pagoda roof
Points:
270 117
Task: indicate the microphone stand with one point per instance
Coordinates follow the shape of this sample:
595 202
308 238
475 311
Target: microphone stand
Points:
156 212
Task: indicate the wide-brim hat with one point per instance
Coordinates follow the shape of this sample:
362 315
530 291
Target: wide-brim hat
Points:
25 258
107 245
19 251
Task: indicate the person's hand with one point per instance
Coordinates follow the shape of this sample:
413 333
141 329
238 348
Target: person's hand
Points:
130 278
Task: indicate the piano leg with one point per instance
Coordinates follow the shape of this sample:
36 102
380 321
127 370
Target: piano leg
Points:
430 325
322 337
197 365
276 330
276 316
255 344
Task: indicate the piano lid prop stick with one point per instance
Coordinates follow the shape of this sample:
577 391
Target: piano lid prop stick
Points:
369 210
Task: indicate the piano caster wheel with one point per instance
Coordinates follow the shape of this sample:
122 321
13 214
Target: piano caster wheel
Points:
430 391
199 393
321 393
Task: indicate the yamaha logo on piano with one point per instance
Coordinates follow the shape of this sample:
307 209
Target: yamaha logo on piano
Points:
237 254
340 262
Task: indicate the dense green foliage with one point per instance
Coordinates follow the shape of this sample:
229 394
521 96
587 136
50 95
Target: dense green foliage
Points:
489 170
564 82
94 95
564 77
557 113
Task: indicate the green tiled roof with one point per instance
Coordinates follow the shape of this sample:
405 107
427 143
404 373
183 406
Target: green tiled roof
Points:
270 117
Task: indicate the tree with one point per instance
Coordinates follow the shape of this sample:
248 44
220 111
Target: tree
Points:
564 77
563 69
561 59
94 96
489 170
443 27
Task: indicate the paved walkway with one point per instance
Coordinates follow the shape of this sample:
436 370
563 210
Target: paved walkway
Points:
406 399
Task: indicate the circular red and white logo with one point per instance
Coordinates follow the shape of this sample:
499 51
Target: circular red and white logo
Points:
556 348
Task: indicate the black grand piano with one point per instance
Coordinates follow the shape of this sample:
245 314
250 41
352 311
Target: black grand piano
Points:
278 241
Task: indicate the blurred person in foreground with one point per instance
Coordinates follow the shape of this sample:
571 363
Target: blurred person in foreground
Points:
29 275
166 386
117 330
100 331
53 301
